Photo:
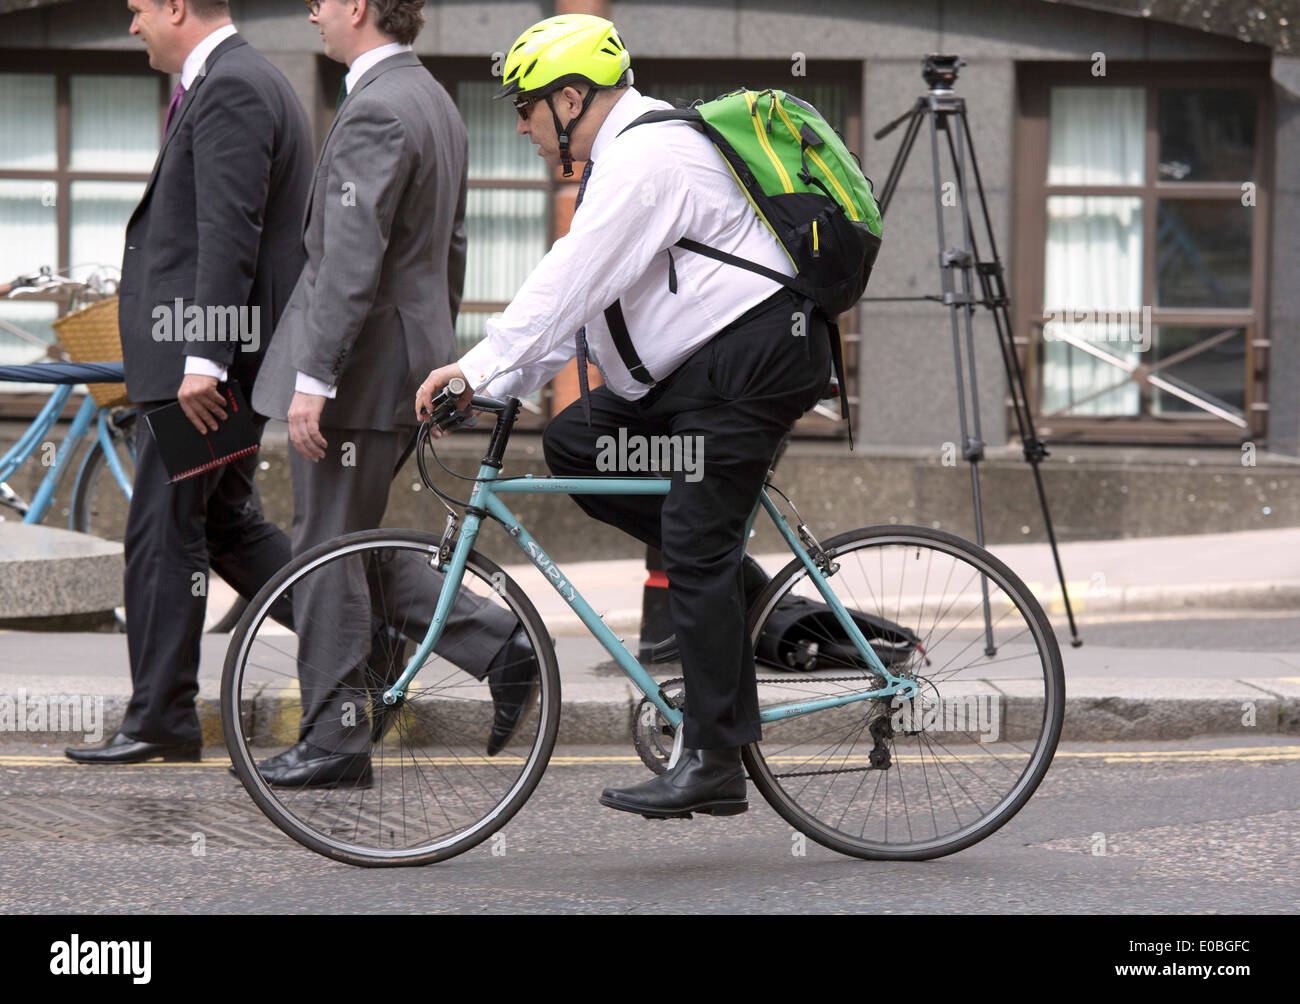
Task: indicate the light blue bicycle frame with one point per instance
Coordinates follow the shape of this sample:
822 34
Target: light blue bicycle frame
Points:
89 413
485 498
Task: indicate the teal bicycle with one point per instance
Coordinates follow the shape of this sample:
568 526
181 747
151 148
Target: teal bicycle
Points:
925 709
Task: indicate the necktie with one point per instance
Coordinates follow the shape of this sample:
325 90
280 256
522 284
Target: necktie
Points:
178 96
343 94
584 390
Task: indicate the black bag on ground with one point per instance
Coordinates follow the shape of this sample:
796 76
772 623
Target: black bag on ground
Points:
804 635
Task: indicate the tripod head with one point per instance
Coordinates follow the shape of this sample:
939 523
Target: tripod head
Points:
940 72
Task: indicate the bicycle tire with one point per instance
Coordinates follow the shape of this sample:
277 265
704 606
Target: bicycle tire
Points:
285 807
797 767
89 508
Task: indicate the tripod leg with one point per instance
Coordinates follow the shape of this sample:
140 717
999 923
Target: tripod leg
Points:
995 291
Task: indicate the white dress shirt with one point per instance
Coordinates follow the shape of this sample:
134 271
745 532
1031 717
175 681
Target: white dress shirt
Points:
648 188
304 383
192 67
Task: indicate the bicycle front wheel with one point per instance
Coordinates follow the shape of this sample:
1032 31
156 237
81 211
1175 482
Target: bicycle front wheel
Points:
420 785
906 780
99 506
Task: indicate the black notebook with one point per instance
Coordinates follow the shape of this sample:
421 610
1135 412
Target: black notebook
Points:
186 452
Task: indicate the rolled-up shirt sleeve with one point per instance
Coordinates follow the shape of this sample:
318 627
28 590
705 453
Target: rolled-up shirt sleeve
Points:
631 211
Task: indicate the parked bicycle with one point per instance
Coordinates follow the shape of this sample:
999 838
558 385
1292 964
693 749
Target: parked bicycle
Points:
897 745
101 489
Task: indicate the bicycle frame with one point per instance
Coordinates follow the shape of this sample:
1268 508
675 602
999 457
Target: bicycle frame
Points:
87 414
484 501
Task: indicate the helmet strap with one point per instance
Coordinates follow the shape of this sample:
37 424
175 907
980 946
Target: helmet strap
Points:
563 132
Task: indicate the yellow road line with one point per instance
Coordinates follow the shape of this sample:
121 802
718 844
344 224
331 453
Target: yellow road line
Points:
1243 754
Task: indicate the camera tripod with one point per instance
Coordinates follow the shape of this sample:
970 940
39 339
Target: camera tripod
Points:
960 267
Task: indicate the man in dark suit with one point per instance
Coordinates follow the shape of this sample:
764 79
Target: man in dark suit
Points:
373 310
217 229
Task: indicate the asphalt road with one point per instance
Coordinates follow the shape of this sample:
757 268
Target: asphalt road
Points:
1196 826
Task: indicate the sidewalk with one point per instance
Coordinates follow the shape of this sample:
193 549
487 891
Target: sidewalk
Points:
1113 693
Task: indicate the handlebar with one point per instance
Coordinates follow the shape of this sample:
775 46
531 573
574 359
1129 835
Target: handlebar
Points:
445 415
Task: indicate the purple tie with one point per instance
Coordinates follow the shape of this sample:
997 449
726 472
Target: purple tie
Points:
178 96
584 390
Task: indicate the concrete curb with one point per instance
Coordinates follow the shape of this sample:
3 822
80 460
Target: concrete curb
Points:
1095 712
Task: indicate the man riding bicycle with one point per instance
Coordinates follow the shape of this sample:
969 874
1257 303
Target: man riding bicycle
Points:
688 347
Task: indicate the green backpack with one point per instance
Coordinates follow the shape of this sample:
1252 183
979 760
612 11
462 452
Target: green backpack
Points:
808 190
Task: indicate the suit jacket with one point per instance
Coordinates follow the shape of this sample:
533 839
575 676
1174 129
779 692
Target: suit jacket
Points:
218 225
374 308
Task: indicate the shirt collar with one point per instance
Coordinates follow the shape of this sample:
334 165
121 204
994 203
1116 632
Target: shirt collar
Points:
632 104
368 59
200 53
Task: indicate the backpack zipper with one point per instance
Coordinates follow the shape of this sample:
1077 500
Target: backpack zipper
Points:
763 142
849 204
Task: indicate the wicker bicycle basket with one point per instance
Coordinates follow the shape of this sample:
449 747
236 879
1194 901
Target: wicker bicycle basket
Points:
89 335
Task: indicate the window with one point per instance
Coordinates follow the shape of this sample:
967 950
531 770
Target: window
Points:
1143 247
76 149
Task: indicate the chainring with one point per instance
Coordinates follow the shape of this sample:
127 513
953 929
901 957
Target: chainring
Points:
652 735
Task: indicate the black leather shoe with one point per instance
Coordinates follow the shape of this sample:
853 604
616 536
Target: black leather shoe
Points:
513 679
306 766
123 749
707 781
270 763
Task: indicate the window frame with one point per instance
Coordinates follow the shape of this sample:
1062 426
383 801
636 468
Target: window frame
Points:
63 66
1034 84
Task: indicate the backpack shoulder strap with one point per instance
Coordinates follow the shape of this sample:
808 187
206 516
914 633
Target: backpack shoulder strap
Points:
691 116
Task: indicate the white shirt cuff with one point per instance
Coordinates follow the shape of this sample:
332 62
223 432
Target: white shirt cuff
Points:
205 367
305 384
480 365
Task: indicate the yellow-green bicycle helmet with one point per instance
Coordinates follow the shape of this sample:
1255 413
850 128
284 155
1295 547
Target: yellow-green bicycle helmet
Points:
563 50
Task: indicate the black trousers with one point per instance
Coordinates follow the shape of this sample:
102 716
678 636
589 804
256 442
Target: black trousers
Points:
735 398
173 534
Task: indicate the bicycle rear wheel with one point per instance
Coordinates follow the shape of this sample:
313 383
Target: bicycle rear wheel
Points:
888 779
434 792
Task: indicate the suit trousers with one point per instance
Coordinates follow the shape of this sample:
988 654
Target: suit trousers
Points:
174 534
339 607
732 401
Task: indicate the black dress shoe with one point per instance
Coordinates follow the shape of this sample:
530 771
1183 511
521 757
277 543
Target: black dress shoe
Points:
123 749
707 781
303 765
513 679
269 763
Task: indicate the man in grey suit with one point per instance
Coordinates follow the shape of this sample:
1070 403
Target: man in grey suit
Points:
372 312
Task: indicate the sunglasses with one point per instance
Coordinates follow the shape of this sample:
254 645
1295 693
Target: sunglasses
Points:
524 106
314 7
